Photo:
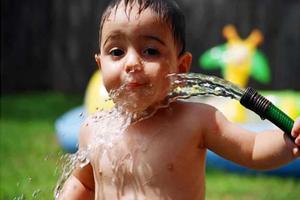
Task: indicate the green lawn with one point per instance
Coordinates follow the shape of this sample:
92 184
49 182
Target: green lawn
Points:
29 155
29 150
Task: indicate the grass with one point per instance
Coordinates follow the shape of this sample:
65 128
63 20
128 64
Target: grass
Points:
230 186
28 147
29 154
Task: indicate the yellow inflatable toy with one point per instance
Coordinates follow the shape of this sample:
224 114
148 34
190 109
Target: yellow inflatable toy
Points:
96 96
239 59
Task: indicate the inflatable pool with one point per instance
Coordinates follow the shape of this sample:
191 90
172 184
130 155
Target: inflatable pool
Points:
214 161
67 129
290 170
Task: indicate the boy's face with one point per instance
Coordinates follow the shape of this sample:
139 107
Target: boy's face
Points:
137 53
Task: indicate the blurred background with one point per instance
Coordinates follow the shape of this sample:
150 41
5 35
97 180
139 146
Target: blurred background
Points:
50 45
47 59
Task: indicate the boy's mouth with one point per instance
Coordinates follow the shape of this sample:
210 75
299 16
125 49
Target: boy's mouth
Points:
134 85
135 82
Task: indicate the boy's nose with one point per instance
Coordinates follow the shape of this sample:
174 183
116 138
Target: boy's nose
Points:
133 63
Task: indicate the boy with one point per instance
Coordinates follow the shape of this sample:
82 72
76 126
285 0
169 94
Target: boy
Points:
141 42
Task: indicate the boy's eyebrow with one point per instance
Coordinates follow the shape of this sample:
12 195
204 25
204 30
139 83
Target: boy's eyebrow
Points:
151 37
112 36
116 36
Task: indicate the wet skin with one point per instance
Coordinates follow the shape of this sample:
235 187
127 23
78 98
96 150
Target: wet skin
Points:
153 159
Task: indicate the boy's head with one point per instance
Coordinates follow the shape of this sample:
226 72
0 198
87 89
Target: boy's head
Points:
141 42
167 11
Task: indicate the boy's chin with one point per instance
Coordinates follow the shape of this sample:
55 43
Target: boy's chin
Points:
140 102
133 107
141 108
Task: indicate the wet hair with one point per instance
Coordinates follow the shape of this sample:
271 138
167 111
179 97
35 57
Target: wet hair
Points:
167 10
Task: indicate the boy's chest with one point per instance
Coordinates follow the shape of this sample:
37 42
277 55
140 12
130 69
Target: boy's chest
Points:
146 155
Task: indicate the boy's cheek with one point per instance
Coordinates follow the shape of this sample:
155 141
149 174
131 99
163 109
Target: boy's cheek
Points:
110 81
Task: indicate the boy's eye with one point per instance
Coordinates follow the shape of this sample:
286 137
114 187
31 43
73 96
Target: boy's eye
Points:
116 52
151 52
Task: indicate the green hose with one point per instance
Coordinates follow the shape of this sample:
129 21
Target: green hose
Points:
279 118
266 110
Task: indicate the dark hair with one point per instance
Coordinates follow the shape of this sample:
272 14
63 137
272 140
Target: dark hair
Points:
167 10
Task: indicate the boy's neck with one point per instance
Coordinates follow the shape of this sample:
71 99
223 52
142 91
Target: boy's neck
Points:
147 113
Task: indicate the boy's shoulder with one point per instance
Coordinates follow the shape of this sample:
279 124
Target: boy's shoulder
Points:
194 113
194 107
197 119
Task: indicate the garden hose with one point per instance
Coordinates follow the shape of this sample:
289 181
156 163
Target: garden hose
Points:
252 100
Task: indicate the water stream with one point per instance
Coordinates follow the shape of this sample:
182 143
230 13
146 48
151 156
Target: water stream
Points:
184 86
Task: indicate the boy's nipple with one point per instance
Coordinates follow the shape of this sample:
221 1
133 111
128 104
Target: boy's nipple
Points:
170 167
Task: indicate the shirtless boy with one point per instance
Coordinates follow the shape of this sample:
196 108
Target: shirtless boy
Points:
141 42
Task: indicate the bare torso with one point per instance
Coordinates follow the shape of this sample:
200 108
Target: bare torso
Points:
157 158
163 157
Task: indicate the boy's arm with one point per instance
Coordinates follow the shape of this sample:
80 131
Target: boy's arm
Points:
80 185
265 150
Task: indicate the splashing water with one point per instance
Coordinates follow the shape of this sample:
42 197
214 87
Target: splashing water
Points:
107 128
184 86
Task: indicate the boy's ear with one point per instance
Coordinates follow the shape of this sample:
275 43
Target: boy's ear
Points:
97 59
185 61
